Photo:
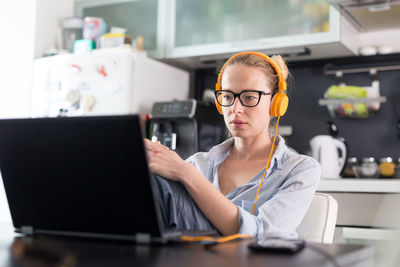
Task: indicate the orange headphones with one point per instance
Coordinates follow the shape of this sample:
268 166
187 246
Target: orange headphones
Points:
279 102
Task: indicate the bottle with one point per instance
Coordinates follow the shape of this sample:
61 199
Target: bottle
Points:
369 168
350 168
387 167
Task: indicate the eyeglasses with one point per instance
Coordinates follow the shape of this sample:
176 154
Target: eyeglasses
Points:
248 98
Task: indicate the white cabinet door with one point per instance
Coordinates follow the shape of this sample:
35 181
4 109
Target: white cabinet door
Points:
199 28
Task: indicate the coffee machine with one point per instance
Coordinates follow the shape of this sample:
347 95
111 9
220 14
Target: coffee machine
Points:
186 126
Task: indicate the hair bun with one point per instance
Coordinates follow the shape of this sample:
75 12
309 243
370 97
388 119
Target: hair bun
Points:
281 64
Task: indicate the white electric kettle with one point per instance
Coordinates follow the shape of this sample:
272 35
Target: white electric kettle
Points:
331 154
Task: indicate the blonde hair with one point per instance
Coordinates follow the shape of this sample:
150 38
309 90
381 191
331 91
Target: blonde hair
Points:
265 66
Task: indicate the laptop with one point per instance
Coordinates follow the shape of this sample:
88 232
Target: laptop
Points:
80 176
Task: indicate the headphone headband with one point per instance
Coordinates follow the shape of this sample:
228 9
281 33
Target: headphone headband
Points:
281 79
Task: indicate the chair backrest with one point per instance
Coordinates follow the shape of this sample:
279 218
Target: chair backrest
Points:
318 225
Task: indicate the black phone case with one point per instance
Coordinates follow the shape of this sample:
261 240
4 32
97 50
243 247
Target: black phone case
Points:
295 246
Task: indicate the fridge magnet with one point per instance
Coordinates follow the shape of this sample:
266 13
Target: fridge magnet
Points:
102 71
74 69
58 108
73 96
88 102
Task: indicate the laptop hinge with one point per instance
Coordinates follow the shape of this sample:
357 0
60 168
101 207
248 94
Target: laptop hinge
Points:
143 238
27 230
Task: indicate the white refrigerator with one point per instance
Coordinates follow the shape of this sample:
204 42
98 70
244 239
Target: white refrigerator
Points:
104 82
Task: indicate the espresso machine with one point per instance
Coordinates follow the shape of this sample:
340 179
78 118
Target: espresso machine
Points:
186 126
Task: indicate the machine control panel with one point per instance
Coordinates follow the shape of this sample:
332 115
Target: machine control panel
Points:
176 109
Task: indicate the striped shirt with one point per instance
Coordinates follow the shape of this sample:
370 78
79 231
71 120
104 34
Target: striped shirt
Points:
284 197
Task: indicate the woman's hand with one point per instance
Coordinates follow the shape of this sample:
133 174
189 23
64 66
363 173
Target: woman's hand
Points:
165 162
154 146
220 211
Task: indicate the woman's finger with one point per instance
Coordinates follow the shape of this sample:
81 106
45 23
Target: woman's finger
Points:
152 146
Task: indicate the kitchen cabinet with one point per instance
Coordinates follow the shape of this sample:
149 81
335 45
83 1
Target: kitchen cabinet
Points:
198 31
365 202
367 214
140 18
368 211
212 29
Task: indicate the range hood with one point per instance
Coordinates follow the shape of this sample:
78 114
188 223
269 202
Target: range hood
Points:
370 15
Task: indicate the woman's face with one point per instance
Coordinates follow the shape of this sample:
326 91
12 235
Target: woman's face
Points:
245 121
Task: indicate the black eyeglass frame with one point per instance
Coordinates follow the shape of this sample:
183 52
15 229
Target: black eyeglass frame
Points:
260 93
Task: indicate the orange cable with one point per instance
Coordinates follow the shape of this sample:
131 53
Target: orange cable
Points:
214 239
268 164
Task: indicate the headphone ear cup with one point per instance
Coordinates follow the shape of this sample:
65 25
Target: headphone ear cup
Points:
218 106
217 88
279 104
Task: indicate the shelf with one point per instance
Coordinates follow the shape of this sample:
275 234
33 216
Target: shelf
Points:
338 101
334 70
360 185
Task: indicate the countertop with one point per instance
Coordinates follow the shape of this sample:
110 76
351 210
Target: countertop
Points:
360 185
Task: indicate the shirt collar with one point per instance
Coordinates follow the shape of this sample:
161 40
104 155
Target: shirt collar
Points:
281 148
219 152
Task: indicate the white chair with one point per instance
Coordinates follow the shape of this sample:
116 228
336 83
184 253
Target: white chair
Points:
318 225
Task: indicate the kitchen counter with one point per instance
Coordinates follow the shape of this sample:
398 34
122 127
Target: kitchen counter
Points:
363 202
360 185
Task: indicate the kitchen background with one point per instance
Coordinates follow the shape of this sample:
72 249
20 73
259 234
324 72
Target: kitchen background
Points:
317 37
376 136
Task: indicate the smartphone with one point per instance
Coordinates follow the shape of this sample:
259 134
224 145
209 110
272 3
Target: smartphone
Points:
277 245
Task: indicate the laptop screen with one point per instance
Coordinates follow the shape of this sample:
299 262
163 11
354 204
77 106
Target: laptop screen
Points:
80 174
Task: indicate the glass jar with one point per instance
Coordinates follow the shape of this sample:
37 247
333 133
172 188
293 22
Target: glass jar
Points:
387 167
350 168
369 168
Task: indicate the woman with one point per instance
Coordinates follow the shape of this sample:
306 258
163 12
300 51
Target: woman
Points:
224 181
